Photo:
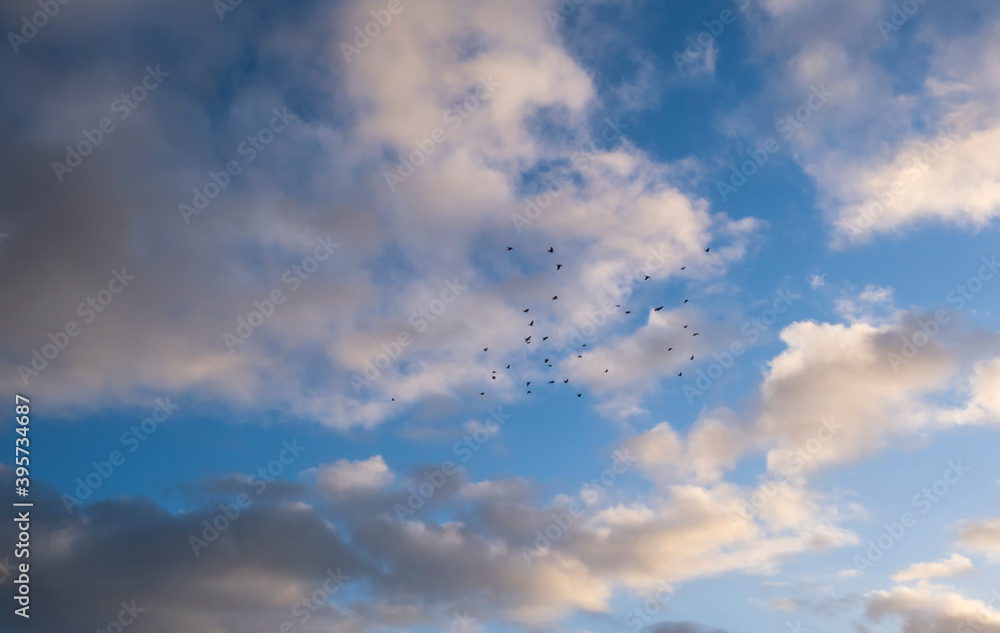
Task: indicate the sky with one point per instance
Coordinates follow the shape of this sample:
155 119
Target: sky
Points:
276 276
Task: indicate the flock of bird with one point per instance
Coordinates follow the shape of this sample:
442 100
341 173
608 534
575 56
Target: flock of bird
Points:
531 323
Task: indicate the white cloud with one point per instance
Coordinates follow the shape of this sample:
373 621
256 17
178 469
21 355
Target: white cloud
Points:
986 388
954 565
864 305
712 446
929 608
619 205
841 374
982 536
344 477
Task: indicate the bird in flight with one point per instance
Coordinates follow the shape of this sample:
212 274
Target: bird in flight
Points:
647 278
692 358
510 248
485 348
530 324
552 382
529 391
552 250
628 312
683 267
545 338
554 297
685 326
685 301
545 361
527 340
605 371
695 334
508 366
579 395
658 309
558 266
529 384
525 310
680 373
566 381
707 249
482 393
670 349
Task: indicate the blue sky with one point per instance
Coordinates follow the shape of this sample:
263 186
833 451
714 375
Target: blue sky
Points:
326 228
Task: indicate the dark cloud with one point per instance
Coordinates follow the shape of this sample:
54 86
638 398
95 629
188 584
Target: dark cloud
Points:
83 566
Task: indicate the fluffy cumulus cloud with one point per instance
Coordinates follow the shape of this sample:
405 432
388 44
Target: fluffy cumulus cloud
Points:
952 566
804 410
511 560
930 608
981 536
986 388
370 289
712 446
947 174
344 477
889 158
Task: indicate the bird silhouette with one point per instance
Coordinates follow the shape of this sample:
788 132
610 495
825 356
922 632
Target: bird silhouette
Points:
552 382
695 334
545 338
554 297
529 391
525 310
493 377
528 384
566 381
584 345
482 393
558 266
508 366
579 395
510 248
685 326
579 355
647 278
670 349
683 267
545 361
692 358
680 373
605 371
658 309
393 399
685 301
527 340
552 250
707 249
628 312
485 348
531 324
